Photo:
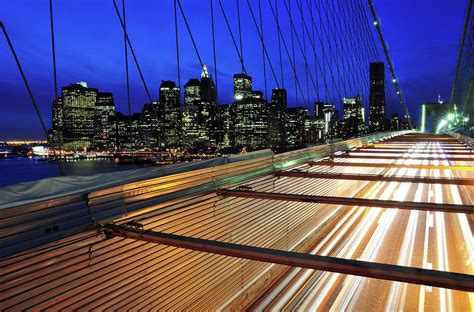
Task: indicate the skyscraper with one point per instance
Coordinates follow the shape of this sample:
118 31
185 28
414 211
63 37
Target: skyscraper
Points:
354 120
242 87
208 109
78 103
169 109
251 114
377 110
103 115
149 125
190 119
277 119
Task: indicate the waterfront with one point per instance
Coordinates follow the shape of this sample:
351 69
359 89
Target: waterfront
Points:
14 170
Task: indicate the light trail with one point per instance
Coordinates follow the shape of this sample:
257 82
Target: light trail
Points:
409 238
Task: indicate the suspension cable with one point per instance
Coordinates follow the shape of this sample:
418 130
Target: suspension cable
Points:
263 47
263 44
133 52
23 76
177 43
279 46
53 50
232 36
293 53
285 45
214 50
127 80
240 33
190 33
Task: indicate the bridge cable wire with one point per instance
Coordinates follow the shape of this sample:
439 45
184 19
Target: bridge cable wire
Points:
132 51
279 46
293 55
263 48
346 57
346 50
177 43
60 131
127 81
325 60
190 33
314 51
214 56
232 36
263 44
305 57
240 33
288 9
23 76
334 49
285 45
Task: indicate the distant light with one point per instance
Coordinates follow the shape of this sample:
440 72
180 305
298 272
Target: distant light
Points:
375 23
398 92
394 80
451 117
466 119
239 97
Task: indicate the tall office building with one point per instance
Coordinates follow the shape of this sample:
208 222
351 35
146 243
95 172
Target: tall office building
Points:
78 113
377 110
277 119
127 131
103 126
226 137
191 128
149 125
169 109
319 110
295 126
208 109
354 120
242 87
251 114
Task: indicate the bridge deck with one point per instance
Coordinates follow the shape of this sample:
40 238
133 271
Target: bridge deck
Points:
76 267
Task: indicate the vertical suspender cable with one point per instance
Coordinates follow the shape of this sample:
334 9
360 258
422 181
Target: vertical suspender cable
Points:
53 49
263 49
25 81
214 50
293 55
132 51
177 44
214 55
279 46
127 80
240 36
232 36
304 54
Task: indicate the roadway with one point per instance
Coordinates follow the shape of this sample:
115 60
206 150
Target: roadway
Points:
432 240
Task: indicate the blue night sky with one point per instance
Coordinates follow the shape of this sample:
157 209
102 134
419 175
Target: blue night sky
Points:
89 47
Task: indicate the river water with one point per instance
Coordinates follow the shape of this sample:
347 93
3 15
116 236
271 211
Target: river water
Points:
24 169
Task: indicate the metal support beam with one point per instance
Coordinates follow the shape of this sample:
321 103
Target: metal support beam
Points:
349 201
451 153
463 282
374 156
385 165
391 147
374 177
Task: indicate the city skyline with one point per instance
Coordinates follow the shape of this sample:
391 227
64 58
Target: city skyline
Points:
86 118
103 69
